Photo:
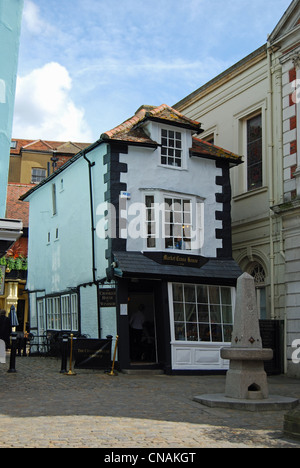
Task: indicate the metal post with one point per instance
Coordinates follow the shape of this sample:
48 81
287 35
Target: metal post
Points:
112 372
64 354
12 366
71 356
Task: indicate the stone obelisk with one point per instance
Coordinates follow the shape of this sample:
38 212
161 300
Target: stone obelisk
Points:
246 378
246 381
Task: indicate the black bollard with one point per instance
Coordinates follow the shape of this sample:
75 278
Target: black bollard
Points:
64 354
13 351
25 345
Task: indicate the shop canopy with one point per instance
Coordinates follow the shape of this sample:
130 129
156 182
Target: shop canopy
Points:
176 267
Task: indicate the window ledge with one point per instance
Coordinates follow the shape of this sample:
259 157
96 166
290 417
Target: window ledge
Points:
166 166
251 193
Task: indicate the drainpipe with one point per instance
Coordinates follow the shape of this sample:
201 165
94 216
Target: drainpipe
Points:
271 174
93 229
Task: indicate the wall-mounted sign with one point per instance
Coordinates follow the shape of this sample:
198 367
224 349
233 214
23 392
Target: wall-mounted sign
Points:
107 297
2 279
126 195
123 309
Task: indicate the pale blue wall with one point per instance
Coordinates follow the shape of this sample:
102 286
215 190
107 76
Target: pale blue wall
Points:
10 28
66 262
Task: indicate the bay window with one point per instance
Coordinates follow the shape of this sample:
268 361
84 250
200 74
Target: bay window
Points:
173 222
177 228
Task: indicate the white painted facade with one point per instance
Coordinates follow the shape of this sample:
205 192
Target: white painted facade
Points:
64 245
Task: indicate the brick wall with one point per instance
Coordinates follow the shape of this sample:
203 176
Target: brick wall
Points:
289 131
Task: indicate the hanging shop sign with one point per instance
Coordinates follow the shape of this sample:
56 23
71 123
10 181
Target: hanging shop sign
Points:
108 297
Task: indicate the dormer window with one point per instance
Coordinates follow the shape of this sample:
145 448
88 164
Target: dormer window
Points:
171 148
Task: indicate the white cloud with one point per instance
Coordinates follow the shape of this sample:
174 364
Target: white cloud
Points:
32 19
44 108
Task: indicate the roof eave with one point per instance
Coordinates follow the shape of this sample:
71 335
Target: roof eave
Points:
232 161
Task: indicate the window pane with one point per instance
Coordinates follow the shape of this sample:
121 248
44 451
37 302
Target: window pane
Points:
227 333
203 314
179 312
215 314
192 332
190 293
214 295
74 312
169 243
191 313
216 333
151 243
149 201
180 332
178 292
204 332
227 314
202 295
226 296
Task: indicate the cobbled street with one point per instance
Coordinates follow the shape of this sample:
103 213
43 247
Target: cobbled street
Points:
41 408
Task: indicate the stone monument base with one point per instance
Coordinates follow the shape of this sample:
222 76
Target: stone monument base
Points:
272 403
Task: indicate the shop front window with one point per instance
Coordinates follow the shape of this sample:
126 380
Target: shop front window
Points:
202 313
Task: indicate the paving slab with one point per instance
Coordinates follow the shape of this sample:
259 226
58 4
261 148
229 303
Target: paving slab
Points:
41 408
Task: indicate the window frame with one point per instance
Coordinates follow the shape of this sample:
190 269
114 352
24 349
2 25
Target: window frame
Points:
247 120
177 139
186 140
36 179
159 236
211 307
62 312
173 223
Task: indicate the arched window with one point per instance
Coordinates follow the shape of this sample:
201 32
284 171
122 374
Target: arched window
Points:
256 270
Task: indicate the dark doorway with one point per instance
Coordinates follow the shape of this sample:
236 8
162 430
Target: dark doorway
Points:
20 315
142 328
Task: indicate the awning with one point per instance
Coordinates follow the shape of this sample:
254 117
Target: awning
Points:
208 271
10 231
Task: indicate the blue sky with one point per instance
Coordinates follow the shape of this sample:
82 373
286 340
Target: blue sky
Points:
87 65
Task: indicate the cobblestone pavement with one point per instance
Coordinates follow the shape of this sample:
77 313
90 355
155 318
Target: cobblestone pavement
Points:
40 408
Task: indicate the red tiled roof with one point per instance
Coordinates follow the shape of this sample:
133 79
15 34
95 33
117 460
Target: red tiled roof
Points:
16 209
131 129
43 145
202 147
